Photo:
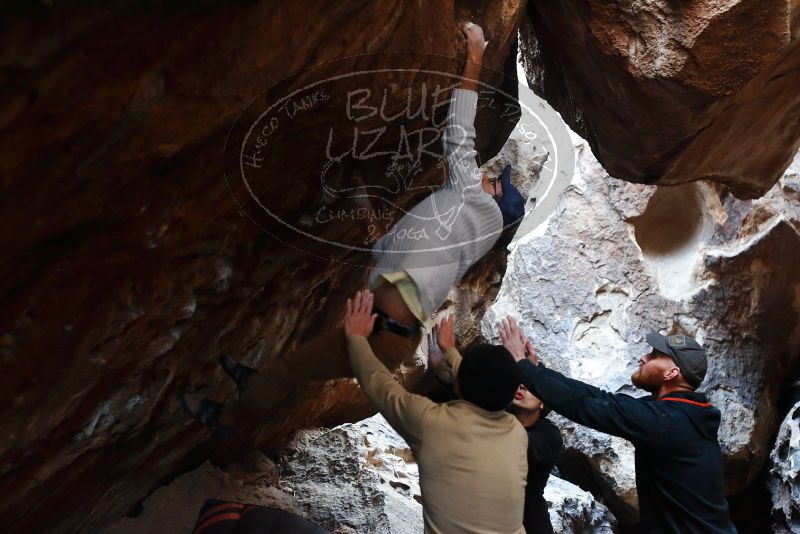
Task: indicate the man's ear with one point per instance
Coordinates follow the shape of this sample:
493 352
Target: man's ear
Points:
672 373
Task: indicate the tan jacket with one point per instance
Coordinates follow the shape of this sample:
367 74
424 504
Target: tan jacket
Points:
472 463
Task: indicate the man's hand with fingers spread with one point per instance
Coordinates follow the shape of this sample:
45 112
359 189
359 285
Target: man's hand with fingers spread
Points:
512 338
440 340
446 335
435 355
358 316
530 352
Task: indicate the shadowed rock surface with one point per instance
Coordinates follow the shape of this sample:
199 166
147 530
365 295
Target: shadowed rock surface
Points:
128 266
671 92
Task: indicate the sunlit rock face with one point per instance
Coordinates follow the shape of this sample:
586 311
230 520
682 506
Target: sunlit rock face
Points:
361 475
574 510
671 92
127 264
617 260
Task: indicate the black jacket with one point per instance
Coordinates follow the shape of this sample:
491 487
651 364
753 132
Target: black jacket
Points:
544 444
679 470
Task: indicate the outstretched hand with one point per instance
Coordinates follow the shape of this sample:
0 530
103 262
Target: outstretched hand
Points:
530 352
358 316
441 339
512 338
435 355
445 333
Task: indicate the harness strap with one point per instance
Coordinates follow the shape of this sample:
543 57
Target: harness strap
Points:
384 322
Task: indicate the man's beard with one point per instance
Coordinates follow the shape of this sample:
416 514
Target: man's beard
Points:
642 382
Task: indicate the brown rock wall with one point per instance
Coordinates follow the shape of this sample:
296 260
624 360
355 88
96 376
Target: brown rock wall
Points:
673 92
127 266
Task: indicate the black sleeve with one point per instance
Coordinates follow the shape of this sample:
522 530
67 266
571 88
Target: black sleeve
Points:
590 390
544 443
619 415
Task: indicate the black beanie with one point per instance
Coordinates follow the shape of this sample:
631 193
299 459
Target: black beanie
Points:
488 377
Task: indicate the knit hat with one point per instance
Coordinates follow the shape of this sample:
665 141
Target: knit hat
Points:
488 377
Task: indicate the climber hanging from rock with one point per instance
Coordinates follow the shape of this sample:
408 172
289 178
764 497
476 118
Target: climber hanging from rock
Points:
411 278
679 469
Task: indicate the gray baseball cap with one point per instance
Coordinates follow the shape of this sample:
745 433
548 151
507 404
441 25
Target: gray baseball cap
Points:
689 356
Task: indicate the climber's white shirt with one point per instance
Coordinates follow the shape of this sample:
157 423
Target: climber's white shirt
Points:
439 239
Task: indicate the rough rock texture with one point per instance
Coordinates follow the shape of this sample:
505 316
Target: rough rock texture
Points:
575 510
617 260
127 266
785 474
357 477
671 92
173 508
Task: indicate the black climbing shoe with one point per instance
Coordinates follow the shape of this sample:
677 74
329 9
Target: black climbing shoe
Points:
204 410
239 373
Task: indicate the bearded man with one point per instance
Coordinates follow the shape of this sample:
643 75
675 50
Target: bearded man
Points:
679 469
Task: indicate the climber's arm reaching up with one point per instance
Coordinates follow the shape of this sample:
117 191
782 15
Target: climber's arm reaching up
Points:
475 45
459 133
